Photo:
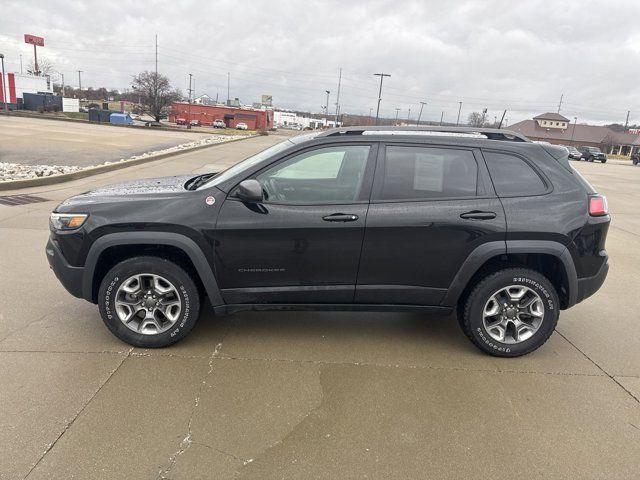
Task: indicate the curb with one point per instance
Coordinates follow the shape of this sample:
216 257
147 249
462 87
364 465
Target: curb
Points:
88 172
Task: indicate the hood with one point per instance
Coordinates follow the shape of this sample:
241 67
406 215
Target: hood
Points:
127 191
142 187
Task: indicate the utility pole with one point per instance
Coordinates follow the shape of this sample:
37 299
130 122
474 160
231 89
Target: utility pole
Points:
502 119
422 104
396 120
459 110
80 81
189 107
338 98
484 116
381 75
626 122
441 118
228 87
408 116
575 122
326 105
371 116
20 64
156 56
560 104
4 86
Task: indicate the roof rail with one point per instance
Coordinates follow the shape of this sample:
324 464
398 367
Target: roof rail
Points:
488 133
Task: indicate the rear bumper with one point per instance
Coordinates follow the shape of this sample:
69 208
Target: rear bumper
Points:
589 285
69 276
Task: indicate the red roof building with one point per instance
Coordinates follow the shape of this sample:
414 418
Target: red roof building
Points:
256 119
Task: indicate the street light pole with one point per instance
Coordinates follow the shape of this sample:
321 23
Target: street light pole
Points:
459 110
381 75
396 120
80 82
4 86
575 122
326 105
422 104
409 117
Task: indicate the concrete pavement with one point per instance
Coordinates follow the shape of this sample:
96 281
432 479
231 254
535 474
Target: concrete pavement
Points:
36 141
308 394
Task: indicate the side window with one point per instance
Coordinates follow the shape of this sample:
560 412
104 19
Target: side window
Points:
417 173
324 175
512 176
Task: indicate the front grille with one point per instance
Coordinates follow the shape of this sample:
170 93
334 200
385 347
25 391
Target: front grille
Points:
13 200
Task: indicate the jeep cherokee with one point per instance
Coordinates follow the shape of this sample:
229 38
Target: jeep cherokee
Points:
479 221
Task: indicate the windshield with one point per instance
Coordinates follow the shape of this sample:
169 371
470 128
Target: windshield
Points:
246 164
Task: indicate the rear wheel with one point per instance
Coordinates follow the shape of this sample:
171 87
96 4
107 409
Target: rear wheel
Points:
148 302
511 312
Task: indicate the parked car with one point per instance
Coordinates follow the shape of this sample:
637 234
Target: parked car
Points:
453 223
152 124
242 126
592 153
181 121
574 153
194 123
219 124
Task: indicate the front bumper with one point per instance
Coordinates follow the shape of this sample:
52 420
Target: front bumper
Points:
589 285
69 276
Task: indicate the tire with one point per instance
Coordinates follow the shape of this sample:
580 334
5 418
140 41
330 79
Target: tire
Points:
481 299
604 160
174 286
590 159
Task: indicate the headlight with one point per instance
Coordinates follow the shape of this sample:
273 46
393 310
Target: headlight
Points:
68 221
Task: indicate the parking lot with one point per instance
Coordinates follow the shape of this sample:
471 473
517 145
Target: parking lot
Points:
311 395
32 141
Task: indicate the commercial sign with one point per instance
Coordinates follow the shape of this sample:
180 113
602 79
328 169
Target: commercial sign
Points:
33 40
267 100
634 131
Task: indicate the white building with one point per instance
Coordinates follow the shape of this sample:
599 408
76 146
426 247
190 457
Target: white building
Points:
286 119
18 84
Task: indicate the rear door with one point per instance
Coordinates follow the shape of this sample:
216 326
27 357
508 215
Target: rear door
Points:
431 206
302 243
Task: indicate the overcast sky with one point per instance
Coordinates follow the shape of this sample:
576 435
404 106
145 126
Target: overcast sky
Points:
496 54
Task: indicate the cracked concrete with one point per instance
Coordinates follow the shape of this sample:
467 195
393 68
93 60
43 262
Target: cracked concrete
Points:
311 395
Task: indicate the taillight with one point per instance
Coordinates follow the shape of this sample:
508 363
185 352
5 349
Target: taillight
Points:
598 206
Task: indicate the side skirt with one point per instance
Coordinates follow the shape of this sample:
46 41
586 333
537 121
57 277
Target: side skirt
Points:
330 307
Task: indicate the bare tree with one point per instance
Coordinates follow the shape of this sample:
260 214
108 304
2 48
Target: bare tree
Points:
45 67
155 94
476 119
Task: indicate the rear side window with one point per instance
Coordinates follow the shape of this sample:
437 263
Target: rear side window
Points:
512 176
416 173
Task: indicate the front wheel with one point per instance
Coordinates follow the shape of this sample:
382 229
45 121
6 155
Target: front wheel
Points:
148 302
511 312
604 160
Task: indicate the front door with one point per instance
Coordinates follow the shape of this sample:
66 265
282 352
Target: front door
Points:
430 207
302 243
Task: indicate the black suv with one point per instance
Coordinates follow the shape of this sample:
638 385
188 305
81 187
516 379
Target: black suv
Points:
592 153
484 222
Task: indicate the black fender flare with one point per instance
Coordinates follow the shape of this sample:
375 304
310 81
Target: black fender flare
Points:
484 252
184 243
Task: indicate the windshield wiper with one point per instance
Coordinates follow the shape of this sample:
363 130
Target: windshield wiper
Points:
195 182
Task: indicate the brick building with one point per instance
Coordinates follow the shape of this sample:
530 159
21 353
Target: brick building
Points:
256 119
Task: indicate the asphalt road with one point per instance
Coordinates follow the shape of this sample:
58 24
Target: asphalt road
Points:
312 395
35 141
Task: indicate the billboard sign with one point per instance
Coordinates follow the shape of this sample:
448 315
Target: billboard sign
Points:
33 40
267 100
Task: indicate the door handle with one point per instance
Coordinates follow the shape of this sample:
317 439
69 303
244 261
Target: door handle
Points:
340 217
478 215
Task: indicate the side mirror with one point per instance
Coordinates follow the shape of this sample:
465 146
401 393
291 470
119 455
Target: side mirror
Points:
249 191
